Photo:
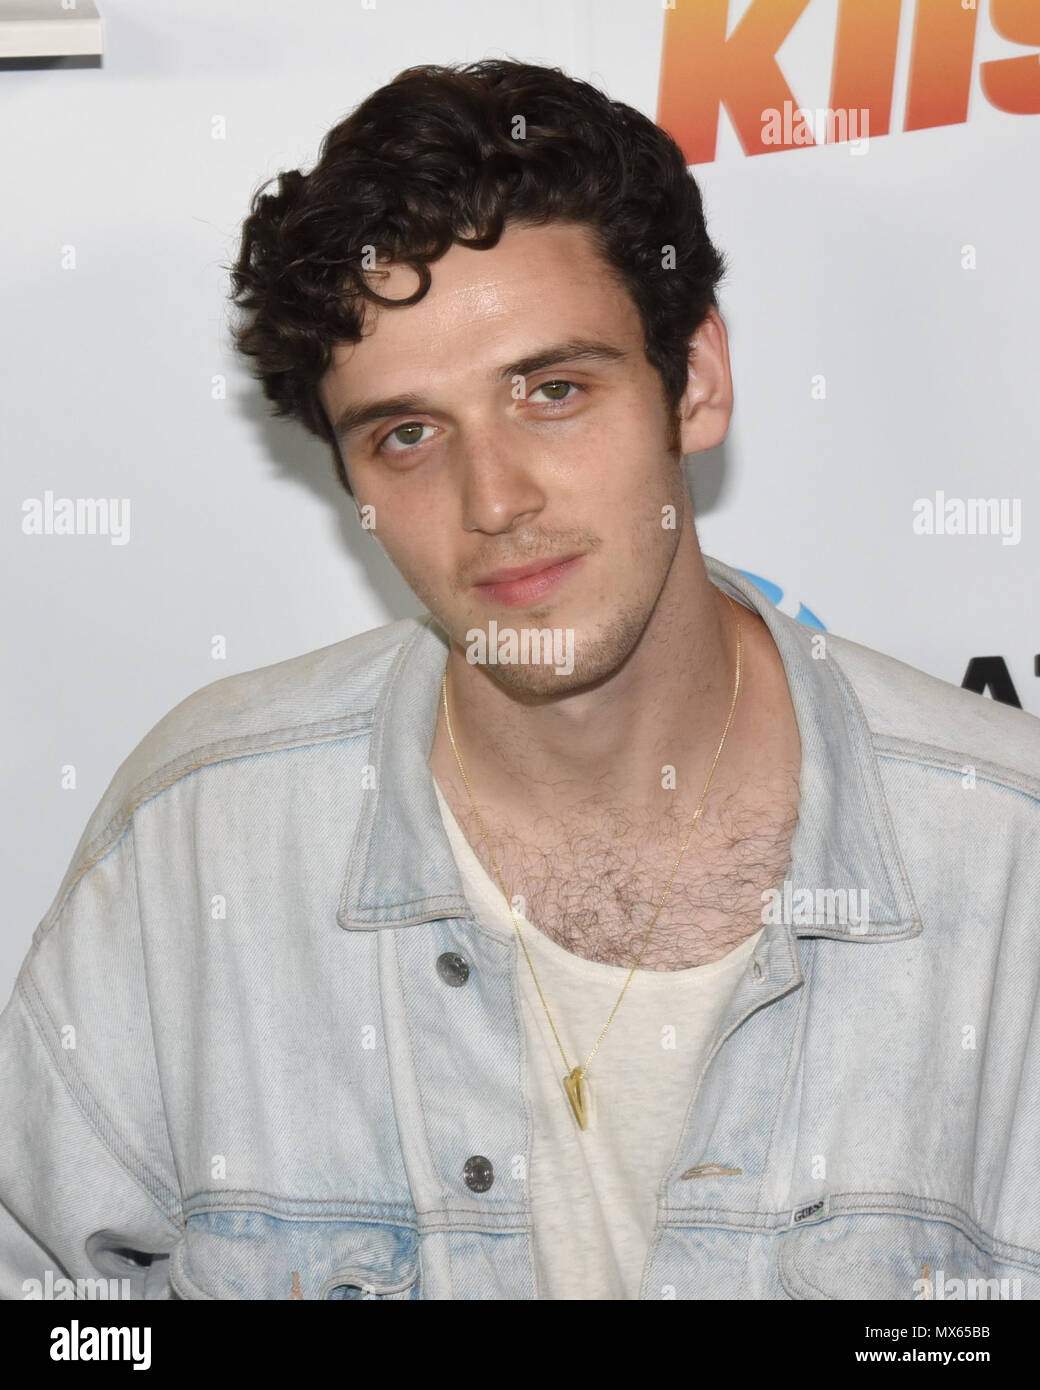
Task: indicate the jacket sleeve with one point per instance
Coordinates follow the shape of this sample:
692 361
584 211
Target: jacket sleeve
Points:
88 1188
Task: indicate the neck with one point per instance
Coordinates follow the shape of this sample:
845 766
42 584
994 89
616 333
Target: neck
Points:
666 704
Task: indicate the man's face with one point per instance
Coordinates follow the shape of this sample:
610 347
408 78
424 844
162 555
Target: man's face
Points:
505 452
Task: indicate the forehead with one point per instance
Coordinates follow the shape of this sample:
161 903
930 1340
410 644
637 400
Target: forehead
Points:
537 285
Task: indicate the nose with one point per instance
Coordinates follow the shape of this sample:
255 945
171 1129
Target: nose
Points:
498 481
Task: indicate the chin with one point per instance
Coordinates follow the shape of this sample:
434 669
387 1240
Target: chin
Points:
593 658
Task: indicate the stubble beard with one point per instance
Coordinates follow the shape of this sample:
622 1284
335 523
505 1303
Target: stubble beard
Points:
598 653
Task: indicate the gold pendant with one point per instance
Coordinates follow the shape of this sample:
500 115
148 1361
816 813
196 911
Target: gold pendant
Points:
574 1085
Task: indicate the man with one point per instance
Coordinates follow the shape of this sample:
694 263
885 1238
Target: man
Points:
602 933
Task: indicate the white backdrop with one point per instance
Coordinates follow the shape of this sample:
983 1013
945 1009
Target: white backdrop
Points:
119 208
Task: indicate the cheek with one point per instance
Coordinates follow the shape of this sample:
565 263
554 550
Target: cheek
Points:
418 556
425 554
638 429
627 467
410 545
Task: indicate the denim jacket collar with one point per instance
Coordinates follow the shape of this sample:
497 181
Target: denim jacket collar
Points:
401 870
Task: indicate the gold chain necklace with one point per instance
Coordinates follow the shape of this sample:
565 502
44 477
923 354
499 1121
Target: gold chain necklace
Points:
575 1083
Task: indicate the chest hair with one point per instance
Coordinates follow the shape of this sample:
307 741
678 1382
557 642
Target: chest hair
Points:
592 884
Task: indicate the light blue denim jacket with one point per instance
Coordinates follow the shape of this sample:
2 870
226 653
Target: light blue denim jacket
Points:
239 1041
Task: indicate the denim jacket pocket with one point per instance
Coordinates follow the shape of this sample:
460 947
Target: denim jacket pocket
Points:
904 1255
234 1254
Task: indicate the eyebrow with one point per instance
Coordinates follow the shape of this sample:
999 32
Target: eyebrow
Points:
355 417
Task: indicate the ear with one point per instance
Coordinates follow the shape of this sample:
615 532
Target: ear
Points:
706 405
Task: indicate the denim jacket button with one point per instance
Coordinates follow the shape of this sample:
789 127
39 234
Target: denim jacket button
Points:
479 1173
452 969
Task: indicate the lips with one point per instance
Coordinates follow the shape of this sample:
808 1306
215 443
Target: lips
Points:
527 584
505 576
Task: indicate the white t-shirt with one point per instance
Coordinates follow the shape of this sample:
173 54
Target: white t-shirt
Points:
594 1192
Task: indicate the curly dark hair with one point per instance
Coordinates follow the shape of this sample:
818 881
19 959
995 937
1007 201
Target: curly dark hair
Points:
445 155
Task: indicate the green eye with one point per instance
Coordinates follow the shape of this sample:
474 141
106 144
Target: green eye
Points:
405 436
552 386
411 431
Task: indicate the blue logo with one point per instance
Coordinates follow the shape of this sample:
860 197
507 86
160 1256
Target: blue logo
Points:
775 595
